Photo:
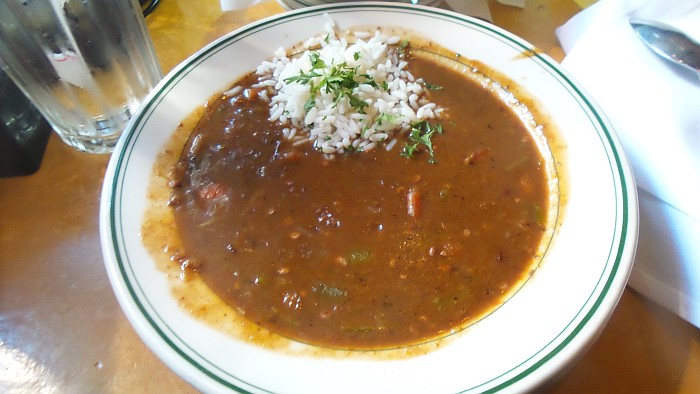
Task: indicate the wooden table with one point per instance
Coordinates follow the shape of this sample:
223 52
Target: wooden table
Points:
61 329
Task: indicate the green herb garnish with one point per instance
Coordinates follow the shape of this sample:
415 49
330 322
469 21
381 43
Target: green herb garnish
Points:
421 134
385 117
316 61
302 78
403 47
431 86
338 80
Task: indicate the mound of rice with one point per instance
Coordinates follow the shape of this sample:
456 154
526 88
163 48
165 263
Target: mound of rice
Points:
394 98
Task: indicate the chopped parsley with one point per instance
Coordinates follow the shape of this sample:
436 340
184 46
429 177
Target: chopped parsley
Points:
339 80
386 117
403 47
431 86
420 135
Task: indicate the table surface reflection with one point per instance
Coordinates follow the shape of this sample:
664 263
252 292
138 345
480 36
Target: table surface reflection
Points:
61 329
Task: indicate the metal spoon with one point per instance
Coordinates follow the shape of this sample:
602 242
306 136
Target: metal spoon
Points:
669 43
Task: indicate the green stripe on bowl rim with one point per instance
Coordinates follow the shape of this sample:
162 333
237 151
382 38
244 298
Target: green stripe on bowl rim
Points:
618 246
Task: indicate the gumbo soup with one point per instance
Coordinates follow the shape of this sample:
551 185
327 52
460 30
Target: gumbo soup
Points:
363 206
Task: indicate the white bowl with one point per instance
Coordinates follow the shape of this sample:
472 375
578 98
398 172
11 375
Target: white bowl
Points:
534 335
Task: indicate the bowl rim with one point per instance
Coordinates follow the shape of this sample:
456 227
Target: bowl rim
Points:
566 350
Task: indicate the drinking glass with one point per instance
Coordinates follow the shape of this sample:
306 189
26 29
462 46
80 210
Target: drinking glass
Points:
85 64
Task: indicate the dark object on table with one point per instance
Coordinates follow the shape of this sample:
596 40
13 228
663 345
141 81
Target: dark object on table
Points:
147 6
23 131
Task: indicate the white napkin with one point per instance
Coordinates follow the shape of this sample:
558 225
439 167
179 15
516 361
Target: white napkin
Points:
655 108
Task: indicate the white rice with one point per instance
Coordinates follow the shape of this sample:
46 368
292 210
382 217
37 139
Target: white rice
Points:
398 101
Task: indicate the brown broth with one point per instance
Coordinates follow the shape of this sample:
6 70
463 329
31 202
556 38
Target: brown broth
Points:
368 250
